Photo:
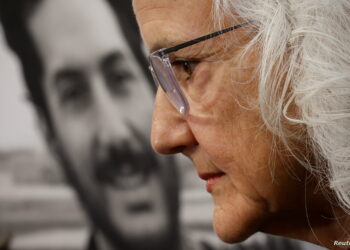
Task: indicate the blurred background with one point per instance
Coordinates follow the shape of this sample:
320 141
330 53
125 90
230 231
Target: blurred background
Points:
38 209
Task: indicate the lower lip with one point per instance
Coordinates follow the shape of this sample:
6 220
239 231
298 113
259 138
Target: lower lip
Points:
212 181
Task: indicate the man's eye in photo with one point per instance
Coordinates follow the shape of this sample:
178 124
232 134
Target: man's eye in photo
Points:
73 92
118 80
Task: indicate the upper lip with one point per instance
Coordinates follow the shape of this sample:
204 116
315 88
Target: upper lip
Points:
205 168
207 176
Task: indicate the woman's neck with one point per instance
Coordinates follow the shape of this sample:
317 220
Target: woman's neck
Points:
317 221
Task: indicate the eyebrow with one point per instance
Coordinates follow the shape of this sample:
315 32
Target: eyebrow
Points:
164 43
73 72
111 58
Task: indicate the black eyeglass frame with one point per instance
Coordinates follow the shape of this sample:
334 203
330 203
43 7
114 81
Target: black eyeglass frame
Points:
173 90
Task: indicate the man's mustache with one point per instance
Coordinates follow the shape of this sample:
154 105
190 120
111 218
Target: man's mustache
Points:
120 159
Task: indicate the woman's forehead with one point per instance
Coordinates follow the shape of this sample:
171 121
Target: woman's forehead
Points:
172 21
169 9
142 5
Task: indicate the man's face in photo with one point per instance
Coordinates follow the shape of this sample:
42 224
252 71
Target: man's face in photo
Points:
100 106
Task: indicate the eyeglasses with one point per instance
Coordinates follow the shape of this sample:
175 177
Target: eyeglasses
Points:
163 74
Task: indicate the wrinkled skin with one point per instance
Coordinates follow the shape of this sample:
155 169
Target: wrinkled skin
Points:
261 187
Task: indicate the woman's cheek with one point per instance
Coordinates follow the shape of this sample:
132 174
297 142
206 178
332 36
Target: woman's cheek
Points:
201 89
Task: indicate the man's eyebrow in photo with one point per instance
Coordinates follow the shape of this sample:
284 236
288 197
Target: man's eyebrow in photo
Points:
115 57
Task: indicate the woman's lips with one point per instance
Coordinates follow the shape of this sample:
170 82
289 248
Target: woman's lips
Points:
211 179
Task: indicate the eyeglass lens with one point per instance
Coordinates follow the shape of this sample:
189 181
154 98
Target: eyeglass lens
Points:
164 76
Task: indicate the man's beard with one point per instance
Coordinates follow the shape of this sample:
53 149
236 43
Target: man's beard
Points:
136 169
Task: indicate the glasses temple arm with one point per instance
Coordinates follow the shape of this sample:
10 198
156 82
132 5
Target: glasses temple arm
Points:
201 39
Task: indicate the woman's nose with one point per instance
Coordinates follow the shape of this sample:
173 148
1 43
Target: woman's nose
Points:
171 133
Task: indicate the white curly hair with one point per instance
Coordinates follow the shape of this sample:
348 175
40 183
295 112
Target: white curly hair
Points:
304 63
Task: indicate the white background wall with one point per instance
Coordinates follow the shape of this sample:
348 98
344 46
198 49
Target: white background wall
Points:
18 128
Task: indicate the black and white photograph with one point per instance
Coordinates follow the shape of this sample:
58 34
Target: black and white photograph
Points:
109 132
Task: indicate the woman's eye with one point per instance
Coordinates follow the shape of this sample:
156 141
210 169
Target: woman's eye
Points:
184 69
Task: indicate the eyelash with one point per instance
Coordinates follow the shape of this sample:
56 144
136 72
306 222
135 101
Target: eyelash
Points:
188 66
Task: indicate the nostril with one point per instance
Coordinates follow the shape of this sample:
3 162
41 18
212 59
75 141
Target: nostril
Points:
171 138
176 150
162 146
167 146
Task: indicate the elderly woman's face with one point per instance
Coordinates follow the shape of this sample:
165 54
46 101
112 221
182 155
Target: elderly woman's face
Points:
223 133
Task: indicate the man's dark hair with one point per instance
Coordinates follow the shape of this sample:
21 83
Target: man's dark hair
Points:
14 15
127 21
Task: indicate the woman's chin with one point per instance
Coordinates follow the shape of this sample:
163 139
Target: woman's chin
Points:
235 223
